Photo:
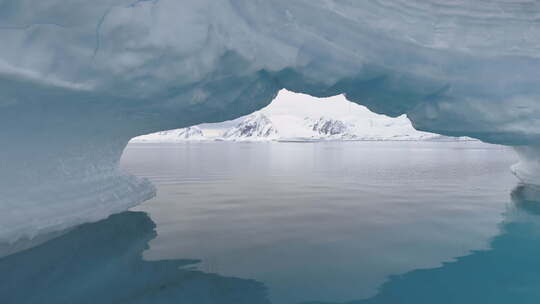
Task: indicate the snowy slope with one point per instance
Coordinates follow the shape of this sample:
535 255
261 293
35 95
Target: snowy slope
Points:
177 135
293 116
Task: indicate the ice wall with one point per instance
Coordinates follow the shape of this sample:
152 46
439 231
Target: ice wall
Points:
78 79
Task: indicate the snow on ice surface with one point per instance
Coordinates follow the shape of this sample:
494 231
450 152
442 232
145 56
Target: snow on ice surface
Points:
78 79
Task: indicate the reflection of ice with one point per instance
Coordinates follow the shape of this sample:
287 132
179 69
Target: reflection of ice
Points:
509 272
102 263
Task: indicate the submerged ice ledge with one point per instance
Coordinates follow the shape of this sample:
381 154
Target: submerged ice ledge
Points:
79 79
56 207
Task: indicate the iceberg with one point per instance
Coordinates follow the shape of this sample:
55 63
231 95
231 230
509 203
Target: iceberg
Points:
79 79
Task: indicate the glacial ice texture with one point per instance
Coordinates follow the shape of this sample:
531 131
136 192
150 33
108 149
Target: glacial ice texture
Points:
78 79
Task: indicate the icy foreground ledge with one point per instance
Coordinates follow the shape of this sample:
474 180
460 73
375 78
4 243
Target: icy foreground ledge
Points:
78 79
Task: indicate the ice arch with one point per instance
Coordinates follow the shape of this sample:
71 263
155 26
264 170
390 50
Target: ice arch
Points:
78 79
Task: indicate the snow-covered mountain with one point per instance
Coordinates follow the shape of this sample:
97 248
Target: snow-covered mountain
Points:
299 117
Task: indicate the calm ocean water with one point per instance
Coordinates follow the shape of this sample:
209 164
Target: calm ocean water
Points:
330 222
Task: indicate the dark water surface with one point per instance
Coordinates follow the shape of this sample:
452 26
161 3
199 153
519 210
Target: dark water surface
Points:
332 222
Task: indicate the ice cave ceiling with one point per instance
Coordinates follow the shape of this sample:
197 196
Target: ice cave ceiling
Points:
78 79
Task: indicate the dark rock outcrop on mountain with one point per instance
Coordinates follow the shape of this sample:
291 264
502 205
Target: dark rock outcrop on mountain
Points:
254 126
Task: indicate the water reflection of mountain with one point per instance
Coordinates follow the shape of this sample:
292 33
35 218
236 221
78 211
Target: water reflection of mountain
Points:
102 263
507 273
